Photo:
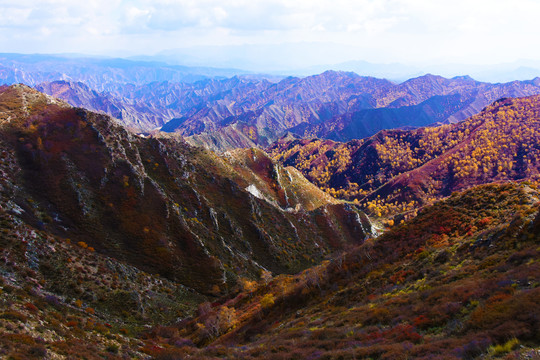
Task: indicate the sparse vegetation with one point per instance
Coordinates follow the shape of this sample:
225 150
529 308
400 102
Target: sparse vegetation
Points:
104 232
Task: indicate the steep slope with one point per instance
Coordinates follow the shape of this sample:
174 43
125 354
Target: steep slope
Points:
344 106
130 114
62 299
235 136
242 111
209 105
159 204
460 281
365 123
104 233
393 171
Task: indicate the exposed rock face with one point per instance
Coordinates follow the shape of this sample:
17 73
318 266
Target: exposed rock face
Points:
242 112
158 203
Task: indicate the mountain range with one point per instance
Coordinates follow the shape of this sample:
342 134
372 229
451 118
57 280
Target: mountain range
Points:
243 112
294 218
209 108
308 58
100 73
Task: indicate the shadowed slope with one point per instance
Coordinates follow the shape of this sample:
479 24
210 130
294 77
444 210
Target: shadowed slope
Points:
167 208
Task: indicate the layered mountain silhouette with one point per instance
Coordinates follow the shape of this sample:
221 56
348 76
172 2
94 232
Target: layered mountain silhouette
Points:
247 112
100 73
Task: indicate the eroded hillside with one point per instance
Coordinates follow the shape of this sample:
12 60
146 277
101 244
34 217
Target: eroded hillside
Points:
115 245
238 112
160 205
460 281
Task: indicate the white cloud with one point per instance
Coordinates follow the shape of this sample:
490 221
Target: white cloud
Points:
412 30
13 17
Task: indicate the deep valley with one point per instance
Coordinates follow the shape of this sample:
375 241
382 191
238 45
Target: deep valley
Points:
179 213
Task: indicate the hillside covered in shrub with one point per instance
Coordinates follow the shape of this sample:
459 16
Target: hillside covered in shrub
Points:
100 226
460 281
396 171
115 246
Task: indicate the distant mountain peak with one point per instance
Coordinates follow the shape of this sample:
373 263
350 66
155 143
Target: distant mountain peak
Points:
427 77
463 77
337 73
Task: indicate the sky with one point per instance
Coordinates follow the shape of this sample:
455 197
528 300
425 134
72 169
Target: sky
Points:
380 31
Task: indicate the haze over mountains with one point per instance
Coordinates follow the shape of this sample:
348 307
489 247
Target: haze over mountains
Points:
100 73
244 111
308 58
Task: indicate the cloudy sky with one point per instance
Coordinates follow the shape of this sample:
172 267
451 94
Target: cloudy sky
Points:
405 31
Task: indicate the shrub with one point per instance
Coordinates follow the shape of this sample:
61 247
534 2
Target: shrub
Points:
267 301
170 354
38 351
166 331
204 309
31 307
13 315
52 300
503 348
89 310
112 348
473 349
378 315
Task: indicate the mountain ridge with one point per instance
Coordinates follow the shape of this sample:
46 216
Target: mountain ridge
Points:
161 204
404 166
243 112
